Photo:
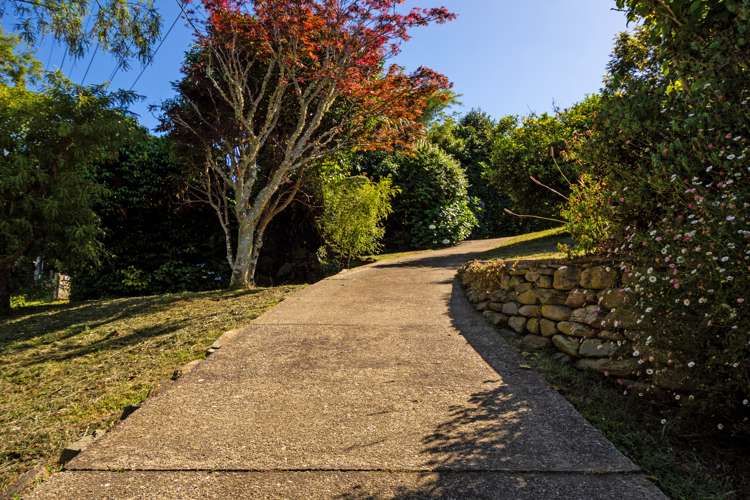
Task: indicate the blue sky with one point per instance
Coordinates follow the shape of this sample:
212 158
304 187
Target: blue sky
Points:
503 56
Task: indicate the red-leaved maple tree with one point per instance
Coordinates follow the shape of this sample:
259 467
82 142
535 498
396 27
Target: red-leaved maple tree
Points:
274 86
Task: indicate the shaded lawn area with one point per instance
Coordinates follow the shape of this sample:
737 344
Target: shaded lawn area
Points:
683 466
70 369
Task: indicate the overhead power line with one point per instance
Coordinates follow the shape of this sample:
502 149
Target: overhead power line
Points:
156 51
86 73
114 72
51 52
181 5
65 55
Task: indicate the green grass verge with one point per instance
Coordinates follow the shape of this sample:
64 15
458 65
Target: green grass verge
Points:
391 256
533 246
68 369
537 245
684 467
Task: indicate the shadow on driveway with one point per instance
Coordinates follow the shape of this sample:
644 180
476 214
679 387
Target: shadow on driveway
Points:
517 250
467 450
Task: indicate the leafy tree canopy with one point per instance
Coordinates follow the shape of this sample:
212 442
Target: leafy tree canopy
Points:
276 86
127 29
536 162
16 67
49 141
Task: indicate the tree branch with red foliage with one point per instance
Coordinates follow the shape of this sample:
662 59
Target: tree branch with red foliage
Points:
273 86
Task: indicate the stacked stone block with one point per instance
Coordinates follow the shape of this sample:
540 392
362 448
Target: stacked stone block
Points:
579 309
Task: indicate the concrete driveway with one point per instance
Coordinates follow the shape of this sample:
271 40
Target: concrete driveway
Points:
380 382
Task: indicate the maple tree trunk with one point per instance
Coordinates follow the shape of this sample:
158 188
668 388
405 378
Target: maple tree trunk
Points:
4 292
250 243
243 269
257 245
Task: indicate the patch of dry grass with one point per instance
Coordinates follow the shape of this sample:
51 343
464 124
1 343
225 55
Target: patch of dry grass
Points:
69 369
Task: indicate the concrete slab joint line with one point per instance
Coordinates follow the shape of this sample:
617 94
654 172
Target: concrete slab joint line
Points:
378 383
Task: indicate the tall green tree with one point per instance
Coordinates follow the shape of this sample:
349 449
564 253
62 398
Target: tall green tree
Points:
49 141
536 163
470 140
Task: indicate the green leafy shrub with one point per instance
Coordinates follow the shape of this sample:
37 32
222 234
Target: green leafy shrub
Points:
587 215
354 211
432 208
545 147
671 146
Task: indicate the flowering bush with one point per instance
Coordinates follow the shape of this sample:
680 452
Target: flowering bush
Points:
671 146
432 207
444 225
691 261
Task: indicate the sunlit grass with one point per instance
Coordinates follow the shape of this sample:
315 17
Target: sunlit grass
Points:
536 245
68 369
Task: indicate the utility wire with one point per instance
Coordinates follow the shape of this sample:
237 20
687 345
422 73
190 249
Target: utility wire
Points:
114 72
156 51
65 54
51 51
85 33
181 5
86 73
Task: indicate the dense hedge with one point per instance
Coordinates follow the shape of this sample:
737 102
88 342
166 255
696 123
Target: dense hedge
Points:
153 242
471 140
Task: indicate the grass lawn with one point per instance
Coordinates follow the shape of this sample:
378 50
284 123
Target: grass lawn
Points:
68 369
538 245
684 467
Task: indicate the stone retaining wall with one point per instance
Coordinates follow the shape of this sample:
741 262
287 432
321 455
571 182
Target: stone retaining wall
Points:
577 308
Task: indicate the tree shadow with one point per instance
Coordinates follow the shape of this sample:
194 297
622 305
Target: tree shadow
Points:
493 445
464 451
110 342
488 421
67 320
517 250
